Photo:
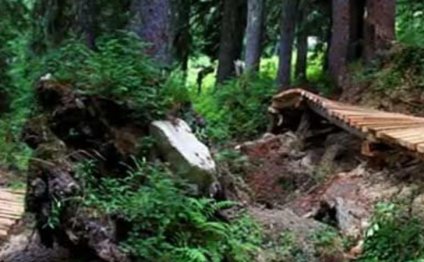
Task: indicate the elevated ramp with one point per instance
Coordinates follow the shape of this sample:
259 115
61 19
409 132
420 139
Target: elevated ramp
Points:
372 125
11 209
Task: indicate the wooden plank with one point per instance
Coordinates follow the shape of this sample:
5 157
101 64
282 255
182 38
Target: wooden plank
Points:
359 117
412 135
405 132
399 131
371 129
377 129
383 118
372 123
337 122
420 147
371 117
416 140
408 143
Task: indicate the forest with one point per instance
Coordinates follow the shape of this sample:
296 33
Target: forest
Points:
211 130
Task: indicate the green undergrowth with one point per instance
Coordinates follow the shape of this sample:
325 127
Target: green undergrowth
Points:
410 22
288 249
404 69
328 242
166 223
117 69
17 90
397 78
394 235
237 109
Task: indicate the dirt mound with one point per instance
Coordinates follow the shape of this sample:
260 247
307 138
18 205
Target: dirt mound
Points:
330 184
395 83
283 166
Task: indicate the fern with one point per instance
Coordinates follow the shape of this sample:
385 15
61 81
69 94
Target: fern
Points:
189 254
166 224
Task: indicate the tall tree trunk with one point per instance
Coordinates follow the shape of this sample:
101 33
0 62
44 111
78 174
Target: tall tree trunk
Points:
288 24
379 29
51 23
339 46
356 31
231 43
182 38
254 31
301 46
326 8
86 18
152 22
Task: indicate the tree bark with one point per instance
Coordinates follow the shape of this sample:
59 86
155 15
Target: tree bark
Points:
182 38
152 22
339 46
231 43
301 47
254 31
379 29
87 21
288 24
356 31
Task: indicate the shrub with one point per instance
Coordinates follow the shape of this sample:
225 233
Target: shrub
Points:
410 25
402 69
327 242
17 93
166 224
118 69
238 108
394 235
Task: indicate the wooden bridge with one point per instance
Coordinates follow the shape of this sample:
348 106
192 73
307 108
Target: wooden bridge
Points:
372 125
11 209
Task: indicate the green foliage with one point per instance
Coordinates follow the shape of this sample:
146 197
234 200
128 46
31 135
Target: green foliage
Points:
410 60
328 239
394 235
316 76
233 160
238 108
54 218
118 69
168 225
403 70
55 21
16 73
288 249
410 22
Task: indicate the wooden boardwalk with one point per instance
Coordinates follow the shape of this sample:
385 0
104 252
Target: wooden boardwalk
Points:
372 125
11 209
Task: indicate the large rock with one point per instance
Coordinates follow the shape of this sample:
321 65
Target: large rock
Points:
190 158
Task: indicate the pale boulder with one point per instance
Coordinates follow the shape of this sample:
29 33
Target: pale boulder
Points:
187 156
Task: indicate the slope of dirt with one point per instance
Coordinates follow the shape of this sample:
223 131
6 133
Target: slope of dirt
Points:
298 185
395 83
